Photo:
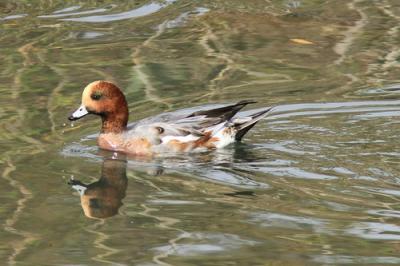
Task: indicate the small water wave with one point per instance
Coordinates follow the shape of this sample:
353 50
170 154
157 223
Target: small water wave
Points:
317 109
297 173
382 191
372 230
67 9
79 150
278 220
181 19
346 259
173 202
385 213
381 91
207 243
142 11
17 16
58 14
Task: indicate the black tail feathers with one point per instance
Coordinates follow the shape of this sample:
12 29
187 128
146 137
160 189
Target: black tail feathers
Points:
243 127
224 113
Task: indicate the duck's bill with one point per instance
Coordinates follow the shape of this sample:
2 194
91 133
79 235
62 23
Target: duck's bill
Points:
81 112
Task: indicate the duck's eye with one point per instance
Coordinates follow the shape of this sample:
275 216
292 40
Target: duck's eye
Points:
96 96
160 130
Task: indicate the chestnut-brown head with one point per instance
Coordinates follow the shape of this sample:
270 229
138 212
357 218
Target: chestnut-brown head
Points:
106 100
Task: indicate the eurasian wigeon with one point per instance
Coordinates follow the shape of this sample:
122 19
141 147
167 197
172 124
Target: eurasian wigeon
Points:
172 131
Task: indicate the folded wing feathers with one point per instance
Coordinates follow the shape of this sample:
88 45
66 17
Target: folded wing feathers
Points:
201 123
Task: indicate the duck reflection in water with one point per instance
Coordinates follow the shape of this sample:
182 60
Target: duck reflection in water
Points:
103 198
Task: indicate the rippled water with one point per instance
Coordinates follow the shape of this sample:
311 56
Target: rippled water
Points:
315 183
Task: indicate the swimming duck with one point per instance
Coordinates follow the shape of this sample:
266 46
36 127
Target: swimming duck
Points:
172 131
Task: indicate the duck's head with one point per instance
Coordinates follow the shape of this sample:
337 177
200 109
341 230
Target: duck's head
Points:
106 100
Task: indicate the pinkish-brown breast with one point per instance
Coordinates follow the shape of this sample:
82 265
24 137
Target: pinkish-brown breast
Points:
116 142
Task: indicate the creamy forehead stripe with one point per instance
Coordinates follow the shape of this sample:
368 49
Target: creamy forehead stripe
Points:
87 91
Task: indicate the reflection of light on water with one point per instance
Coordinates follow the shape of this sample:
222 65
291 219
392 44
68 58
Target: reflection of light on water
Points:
268 219
97 10
377 115
173 202
312 109
343 259
282 147
224 177
383 191
78 150
183 17
379 231
209 243
390 89
282 168
339 207
86 35
385 213
14 16
346 172
67 9
296 172
134 13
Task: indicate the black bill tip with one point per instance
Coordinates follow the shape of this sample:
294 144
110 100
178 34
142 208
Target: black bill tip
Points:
72 118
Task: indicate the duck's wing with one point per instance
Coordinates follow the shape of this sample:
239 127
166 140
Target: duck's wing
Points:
202 120
193 115
221 114
200 126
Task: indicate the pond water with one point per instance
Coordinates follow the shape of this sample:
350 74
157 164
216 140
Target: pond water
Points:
315 183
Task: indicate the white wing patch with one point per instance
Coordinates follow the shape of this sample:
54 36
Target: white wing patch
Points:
220 132
186 138
224 138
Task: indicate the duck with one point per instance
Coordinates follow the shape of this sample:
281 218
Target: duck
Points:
176 131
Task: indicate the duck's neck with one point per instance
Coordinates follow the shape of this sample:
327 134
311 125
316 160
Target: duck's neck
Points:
115 122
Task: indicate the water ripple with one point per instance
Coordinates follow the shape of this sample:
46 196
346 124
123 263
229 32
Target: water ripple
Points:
14 17
269 219
209 243
345 259
385 213
67 9
378 231
181 19
385 90
134 13
295 172
97 10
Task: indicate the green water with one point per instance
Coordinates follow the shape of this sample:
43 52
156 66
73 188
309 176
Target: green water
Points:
315 183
